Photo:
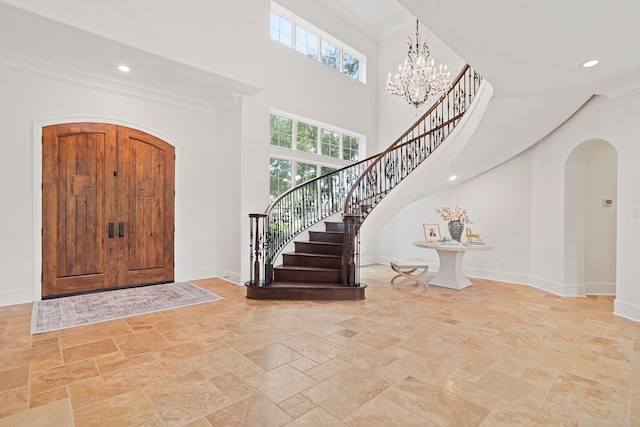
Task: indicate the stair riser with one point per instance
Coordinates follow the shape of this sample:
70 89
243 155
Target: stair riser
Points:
311 261
312 248
303 275
322 236
334 226
309 294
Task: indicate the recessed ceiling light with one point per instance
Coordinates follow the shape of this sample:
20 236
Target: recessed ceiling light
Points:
124 68
590 63
453 177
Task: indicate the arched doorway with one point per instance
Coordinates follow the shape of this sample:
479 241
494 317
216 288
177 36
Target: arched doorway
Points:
590 217
107 208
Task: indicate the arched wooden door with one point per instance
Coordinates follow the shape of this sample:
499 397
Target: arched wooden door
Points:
107 208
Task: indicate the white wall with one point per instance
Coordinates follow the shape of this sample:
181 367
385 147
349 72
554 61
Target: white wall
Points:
499 206
521 208
600 220
29 102
300 85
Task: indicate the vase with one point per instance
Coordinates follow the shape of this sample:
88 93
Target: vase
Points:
455 229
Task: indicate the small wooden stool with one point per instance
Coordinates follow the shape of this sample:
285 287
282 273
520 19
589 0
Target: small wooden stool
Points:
407 268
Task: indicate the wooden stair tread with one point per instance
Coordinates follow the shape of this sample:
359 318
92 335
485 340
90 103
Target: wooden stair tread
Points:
306 268
319 242
309 254
296 284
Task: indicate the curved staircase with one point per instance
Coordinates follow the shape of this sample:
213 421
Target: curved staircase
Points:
326 266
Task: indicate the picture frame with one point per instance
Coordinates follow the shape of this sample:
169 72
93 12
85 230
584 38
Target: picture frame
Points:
432 232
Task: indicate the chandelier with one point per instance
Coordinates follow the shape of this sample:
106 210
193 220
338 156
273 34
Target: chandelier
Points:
417 80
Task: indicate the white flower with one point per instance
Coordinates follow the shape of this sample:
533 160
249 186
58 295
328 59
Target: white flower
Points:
454 214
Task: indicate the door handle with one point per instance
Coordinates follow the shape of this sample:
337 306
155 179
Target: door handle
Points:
121 229
112 230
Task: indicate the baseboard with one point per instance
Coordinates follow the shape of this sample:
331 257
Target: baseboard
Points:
186 275
16 297
499 276
627 310
561 289
230 276
600 288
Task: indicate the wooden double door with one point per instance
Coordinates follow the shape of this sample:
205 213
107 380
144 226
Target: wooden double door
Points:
107 208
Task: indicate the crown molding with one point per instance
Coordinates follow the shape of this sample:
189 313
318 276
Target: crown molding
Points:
21 62
626 87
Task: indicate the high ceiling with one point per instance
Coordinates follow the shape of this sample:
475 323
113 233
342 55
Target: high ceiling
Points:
530 52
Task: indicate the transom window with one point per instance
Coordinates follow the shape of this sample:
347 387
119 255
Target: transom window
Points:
294 32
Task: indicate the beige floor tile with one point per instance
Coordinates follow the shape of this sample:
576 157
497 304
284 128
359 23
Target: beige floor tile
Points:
435 404
132 408
100 331
95 389
63 375
597 400
255 410
273 355
140 342
14 401
343 393
175 359
89 350
381 412
56 413
234 387
492 354
14 378
314 347
316 417
48 396
281 383
186 398
297 405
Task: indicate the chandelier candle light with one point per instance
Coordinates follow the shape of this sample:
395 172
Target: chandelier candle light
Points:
418 80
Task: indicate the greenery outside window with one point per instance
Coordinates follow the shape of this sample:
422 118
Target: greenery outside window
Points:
307 138
330 143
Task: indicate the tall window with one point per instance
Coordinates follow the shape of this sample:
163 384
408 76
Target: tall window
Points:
279 177
281 131
298 142
294 32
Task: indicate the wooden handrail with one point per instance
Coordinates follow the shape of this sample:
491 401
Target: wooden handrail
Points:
379 157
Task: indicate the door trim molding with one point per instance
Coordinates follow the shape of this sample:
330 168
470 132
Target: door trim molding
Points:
37 188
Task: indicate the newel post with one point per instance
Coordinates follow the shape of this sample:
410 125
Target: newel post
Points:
257 239
349 249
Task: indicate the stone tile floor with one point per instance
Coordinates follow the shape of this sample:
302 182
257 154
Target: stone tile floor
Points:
493 354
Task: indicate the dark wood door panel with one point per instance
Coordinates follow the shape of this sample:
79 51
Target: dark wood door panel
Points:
147 183
77 176
96 175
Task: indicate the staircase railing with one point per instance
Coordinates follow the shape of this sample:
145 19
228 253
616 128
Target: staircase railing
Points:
399 160
293 212
356 188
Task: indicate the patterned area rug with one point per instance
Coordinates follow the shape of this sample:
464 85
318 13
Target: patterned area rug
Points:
68 312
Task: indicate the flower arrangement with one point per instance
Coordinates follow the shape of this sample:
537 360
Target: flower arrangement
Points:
454 214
